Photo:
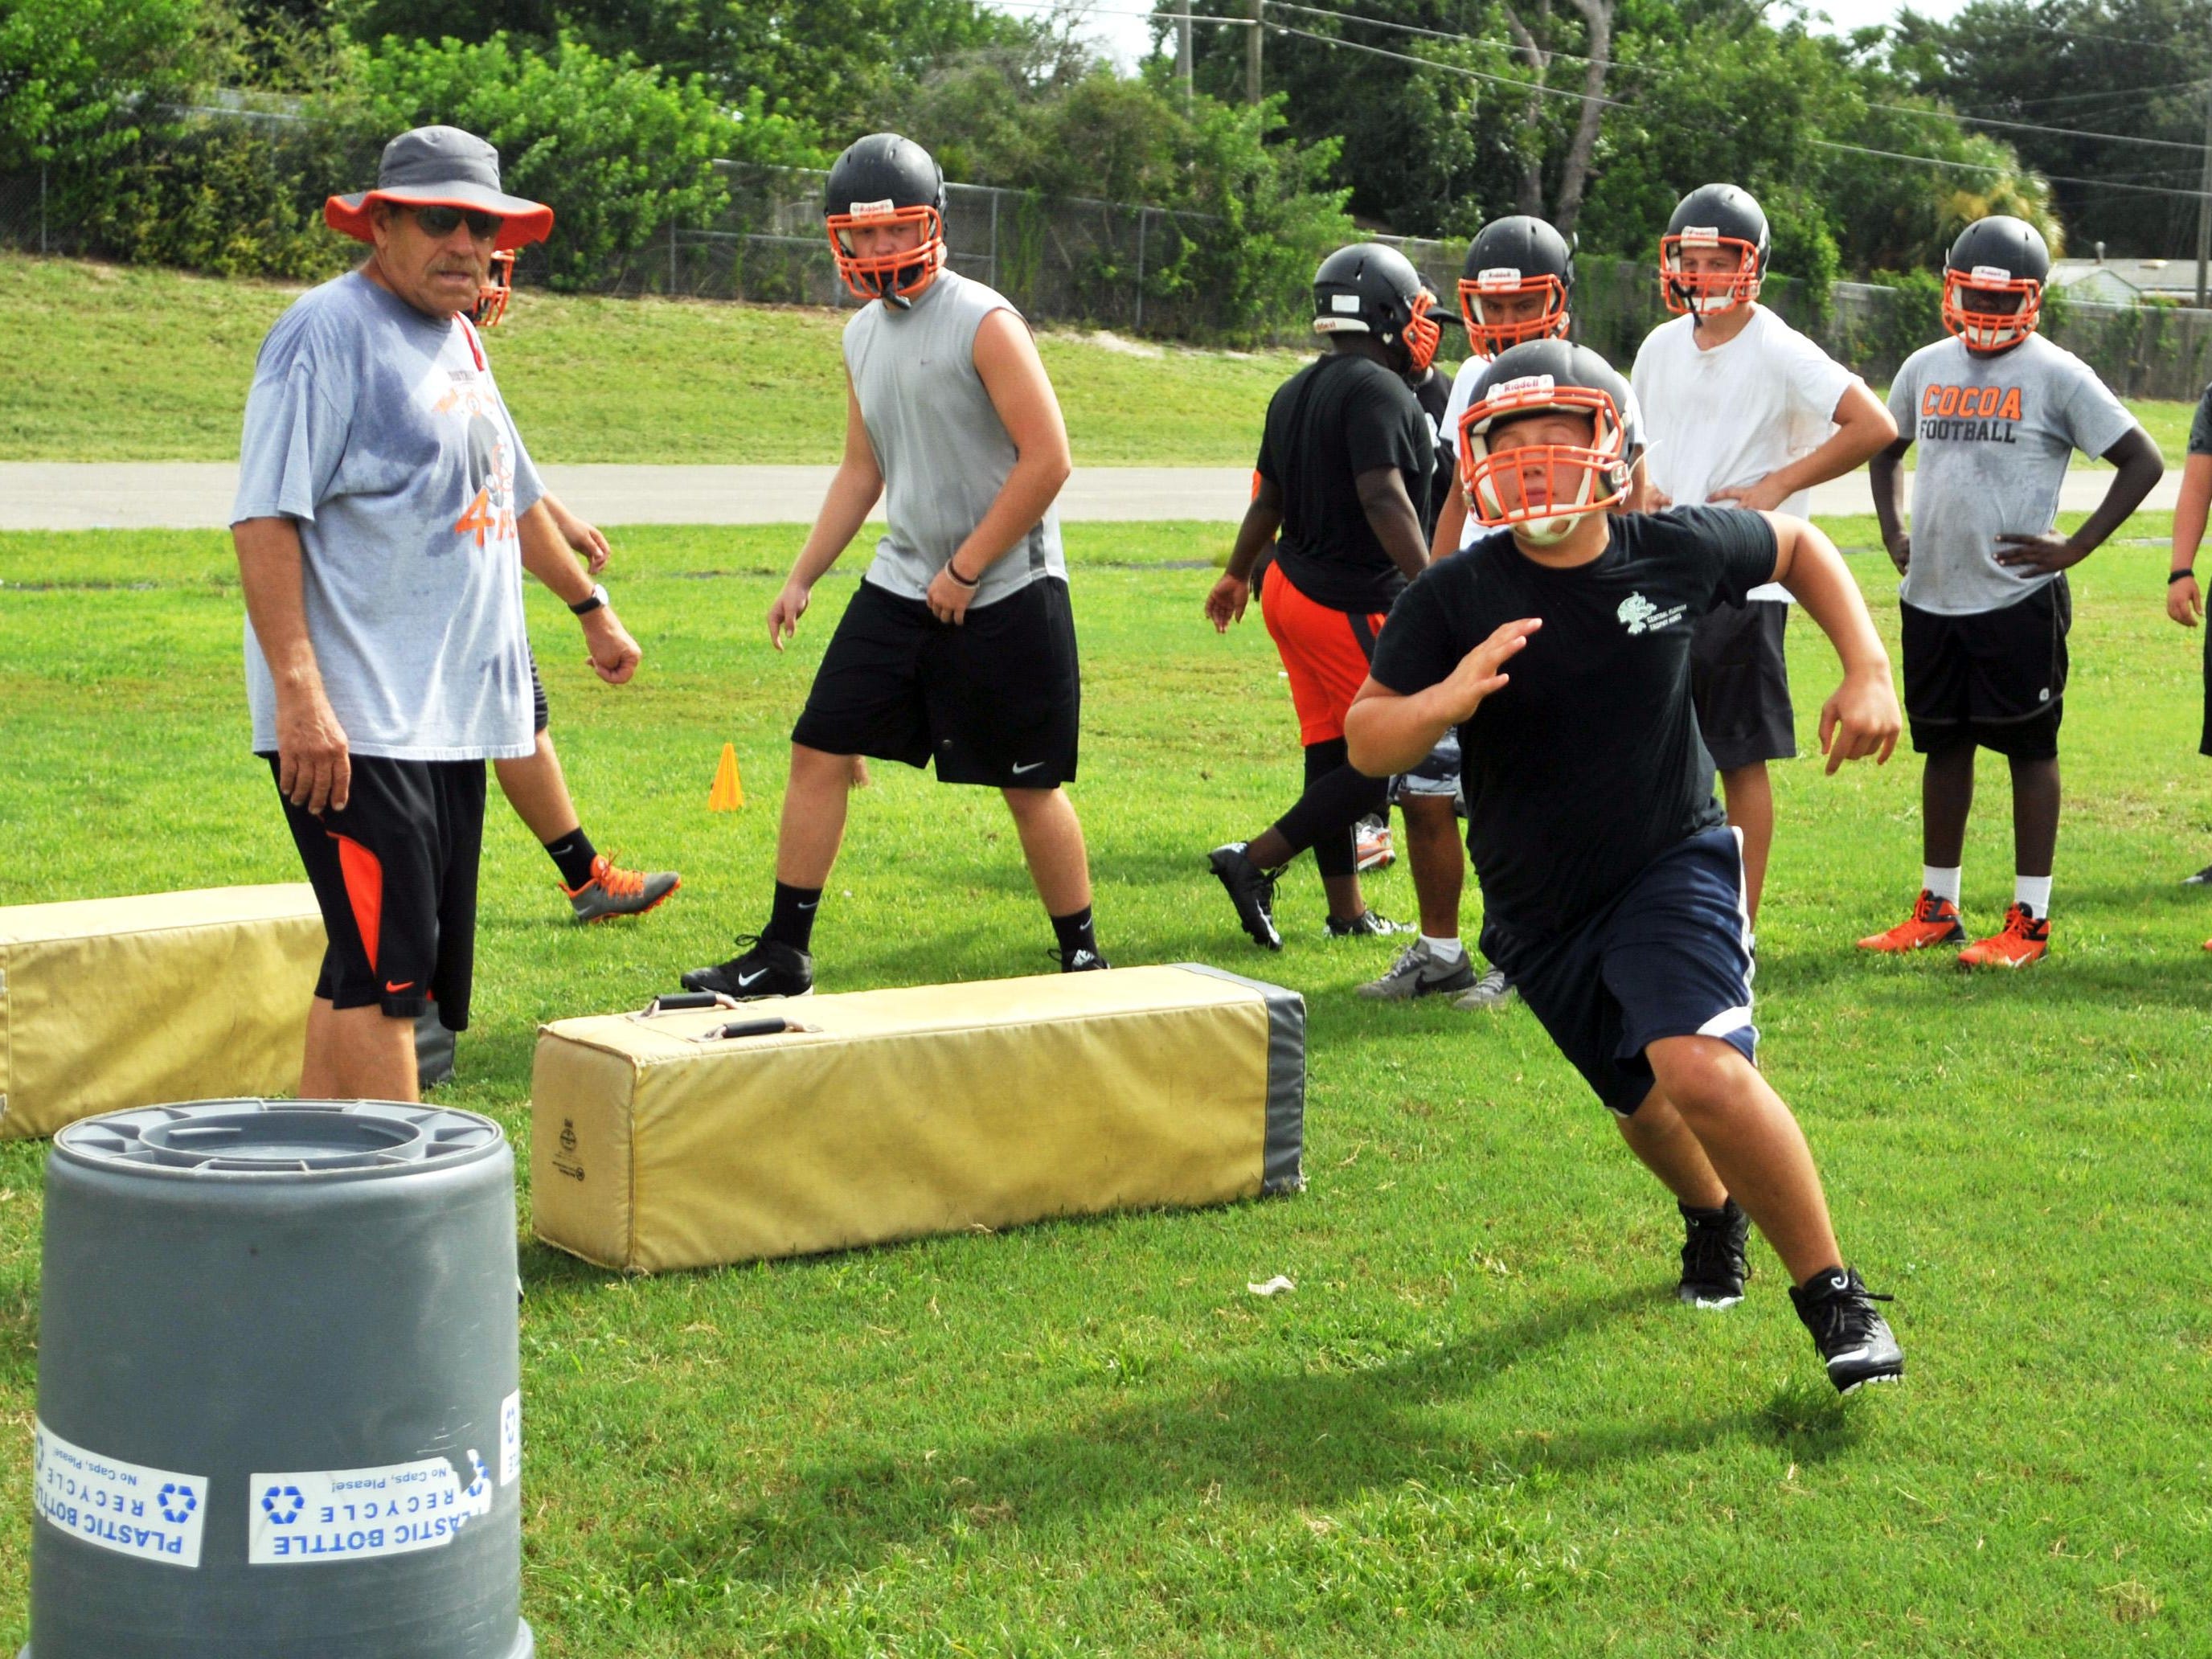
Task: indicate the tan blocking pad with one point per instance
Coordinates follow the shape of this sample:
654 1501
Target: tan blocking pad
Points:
935 1109
107 1004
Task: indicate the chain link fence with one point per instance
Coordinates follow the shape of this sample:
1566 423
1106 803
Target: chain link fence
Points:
1075 261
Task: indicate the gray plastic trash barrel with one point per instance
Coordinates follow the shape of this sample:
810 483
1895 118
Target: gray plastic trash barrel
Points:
279 1406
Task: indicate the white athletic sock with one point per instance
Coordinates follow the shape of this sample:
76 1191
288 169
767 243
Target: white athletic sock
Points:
2034 892
1944 883
1446 950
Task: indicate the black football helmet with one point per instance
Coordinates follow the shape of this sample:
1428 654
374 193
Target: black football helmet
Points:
1539 491
886 180
1714 216
1369 288
1511 257
1993 280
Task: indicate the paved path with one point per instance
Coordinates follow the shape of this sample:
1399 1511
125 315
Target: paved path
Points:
197 495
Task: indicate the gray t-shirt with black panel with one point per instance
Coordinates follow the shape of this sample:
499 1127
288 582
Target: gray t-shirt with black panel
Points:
1995 436
943 452
379 432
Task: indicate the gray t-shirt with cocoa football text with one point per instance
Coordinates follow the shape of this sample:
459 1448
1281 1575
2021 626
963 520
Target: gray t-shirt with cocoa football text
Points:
380 433
1994 437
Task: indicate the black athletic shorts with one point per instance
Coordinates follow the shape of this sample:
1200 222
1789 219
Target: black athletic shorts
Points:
538 713
1739 683
996 699
1993 677
395 875
1671 957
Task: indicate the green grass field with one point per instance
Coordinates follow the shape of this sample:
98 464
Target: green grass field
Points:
121 363
1479 1424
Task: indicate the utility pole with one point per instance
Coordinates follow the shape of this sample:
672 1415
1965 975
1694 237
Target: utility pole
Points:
2205 203
1252 59
1182 49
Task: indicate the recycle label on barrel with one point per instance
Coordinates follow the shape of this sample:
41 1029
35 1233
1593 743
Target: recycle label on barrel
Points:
154 1514
357 1515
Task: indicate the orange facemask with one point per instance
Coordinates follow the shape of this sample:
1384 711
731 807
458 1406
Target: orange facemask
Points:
888 275
1486 287
497 289
1423 332
1990 330
1706 293
1537 507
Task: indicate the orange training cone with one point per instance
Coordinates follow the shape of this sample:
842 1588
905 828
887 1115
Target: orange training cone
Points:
728 794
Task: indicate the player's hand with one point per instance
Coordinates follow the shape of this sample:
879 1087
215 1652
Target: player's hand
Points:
1760 497
947 599
615 655
783 615
1478 675
2038 555
584 539
2183 602
1899 548
1225 604
1656 500
1860 719
314 764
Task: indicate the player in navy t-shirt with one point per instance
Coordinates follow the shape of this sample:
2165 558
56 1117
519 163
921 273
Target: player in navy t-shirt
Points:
1613 888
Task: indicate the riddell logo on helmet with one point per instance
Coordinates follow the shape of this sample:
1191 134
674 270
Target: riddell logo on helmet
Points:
1700 236
882 210
1526 383
1991 273
1498 276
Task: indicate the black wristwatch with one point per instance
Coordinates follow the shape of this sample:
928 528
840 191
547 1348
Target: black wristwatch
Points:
584 606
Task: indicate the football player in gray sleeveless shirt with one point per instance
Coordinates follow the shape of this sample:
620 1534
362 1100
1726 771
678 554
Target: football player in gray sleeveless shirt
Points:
959 646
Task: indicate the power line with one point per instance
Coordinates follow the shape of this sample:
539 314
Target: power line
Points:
2110 92
2029 126
1447 34
1982 167
1449 68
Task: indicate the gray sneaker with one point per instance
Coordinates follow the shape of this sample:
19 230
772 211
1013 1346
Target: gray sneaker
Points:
1493 990
615 892
1417 973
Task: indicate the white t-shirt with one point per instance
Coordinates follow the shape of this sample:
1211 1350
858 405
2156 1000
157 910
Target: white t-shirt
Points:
1723 417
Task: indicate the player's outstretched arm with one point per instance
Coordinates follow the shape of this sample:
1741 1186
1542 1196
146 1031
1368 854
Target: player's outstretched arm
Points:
855 489
2140 466
1225 604
1386 732
2185 600
1861 717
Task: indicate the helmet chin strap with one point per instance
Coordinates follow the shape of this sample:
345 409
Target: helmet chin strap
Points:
1547 532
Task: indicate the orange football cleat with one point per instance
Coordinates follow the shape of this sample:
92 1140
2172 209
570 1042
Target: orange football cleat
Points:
2021 940
1933 922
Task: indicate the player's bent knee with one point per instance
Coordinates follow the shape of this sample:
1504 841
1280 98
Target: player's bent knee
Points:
1699 1074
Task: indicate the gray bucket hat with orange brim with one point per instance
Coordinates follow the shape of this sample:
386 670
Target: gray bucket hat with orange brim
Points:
441 167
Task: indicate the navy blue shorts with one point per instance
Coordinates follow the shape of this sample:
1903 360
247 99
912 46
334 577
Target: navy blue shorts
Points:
1670 957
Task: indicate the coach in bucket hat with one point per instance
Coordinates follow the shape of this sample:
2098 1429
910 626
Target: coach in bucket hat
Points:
441 167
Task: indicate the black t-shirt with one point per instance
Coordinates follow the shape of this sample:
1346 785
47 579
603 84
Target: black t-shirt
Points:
1334 419
1433 392
1589 764
2200 429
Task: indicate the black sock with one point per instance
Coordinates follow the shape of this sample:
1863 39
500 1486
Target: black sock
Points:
791 921
572 855
1075 932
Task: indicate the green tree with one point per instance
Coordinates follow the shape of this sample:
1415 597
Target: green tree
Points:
616 150
79 79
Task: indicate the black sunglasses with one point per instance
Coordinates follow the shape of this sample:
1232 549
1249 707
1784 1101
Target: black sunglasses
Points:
440 220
